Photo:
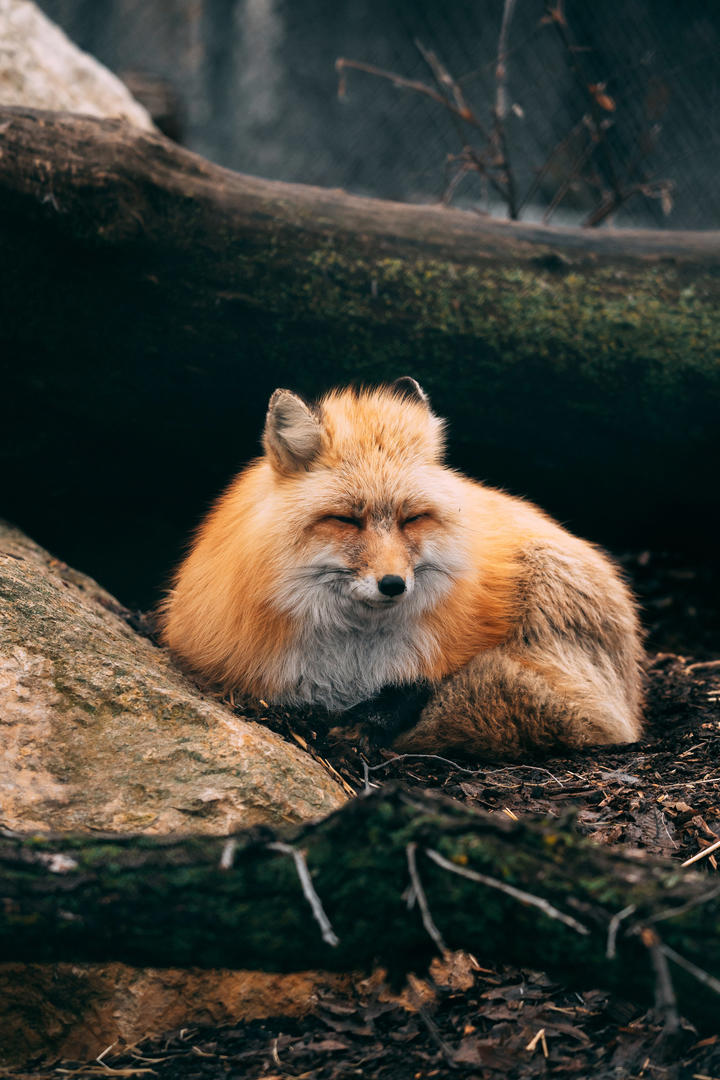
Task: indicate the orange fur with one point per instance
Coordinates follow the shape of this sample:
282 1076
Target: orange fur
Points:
283 595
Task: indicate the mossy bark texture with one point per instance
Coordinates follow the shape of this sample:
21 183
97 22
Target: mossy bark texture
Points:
150 302
546 898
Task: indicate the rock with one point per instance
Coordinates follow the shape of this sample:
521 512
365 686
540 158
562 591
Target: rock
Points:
123 1003
76 1011
40 67
101 731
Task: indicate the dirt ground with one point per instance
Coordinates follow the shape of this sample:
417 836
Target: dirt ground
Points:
661 794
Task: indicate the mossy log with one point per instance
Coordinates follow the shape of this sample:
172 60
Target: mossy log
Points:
546 898
150 301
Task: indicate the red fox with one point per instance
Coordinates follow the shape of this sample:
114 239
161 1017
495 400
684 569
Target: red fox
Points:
349 559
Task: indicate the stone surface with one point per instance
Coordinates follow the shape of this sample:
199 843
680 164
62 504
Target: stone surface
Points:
75 1011
40 1015
40 67
100 731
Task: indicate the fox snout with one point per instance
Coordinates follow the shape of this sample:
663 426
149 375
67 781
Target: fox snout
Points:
383 589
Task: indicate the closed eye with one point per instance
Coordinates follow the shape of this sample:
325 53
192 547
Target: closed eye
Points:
357 522
414 517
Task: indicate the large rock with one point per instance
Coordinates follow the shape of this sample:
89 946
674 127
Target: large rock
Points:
100 731
40 67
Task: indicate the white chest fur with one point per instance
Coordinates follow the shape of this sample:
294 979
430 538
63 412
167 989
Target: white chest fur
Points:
337 668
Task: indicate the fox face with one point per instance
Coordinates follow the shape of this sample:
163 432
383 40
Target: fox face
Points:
369 565
376 519
379 551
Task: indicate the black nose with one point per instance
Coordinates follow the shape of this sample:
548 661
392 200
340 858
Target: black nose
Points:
391 585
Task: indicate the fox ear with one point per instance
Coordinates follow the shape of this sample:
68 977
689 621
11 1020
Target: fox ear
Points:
409 388
292 433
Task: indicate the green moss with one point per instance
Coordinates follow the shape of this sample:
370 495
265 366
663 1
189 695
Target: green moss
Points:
594 317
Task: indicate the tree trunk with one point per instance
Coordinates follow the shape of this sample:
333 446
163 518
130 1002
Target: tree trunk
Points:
150 302
546 899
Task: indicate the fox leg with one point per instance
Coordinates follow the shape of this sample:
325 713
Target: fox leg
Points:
503 704
391 711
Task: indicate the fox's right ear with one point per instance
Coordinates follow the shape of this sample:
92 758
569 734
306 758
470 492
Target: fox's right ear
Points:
292 435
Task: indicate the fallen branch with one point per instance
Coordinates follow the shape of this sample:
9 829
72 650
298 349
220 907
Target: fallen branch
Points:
521 892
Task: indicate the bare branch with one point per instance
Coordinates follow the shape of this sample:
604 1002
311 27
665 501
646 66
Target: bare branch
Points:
399 81
500 66
500 111
546 165
702 854
449 86
613 927
308 889
574 171
510 890
428 921
697 901
702 976
473 159
665 999
556 17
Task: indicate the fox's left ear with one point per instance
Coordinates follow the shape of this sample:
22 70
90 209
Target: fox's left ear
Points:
409 388
292 435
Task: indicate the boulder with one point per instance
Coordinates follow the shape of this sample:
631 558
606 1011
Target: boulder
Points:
40 67
102 731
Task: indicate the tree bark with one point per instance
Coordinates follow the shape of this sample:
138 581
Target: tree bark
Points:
546 899
150 301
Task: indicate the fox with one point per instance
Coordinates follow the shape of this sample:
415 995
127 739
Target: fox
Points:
348 563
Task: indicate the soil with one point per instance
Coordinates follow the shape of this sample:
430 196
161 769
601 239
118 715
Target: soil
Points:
661 794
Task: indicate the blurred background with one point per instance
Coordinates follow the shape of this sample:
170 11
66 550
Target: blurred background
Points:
252 85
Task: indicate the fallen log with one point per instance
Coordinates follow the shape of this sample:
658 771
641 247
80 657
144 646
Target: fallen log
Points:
389 878
150 301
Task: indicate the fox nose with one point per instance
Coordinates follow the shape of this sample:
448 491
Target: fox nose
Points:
391 585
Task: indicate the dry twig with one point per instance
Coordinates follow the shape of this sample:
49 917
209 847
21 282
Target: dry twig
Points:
399 81
702 976
613 927
470 157
665 1000
702 854
519 894
428 921
500 111
328 934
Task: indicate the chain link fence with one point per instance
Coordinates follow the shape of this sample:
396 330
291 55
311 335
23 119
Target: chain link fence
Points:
609 115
